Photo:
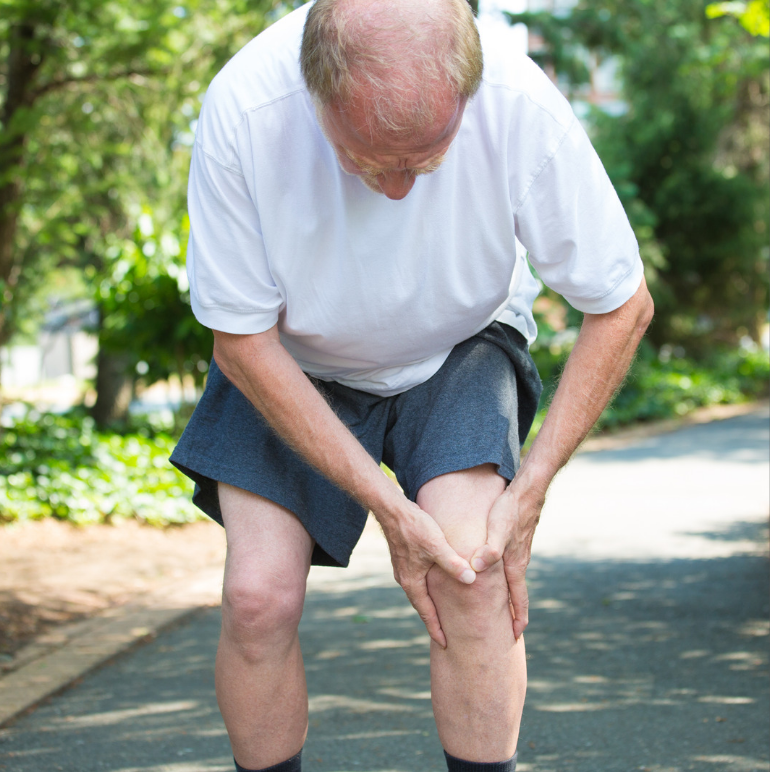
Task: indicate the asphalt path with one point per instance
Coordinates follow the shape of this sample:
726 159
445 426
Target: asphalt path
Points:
647 644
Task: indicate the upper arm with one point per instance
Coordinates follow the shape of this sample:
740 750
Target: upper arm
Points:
575 229
231 284
636 311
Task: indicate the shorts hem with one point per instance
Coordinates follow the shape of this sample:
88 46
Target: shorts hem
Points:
207 473
504 469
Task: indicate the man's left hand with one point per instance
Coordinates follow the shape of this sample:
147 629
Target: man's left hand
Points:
595 368
510 527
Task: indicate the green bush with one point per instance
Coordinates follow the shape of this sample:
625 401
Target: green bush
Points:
60 466
658 389
662 385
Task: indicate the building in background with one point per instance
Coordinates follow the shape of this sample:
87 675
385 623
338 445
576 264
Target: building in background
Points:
603 91
492 21
65 347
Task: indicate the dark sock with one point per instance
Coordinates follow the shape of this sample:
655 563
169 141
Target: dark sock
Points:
294 764
460 765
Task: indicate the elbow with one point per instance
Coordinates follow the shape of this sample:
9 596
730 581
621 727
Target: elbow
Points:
236 354
220 350
226 354
646 313
637 312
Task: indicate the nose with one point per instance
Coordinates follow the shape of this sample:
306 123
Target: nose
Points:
396 184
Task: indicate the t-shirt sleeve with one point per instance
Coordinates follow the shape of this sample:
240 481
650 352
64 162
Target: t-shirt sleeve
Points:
573 225
231 287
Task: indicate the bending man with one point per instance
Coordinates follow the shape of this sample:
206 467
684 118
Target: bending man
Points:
362 173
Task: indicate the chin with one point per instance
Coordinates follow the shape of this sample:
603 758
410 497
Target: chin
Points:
368 181
371 184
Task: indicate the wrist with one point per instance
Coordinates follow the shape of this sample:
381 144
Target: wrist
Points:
385 499
532 481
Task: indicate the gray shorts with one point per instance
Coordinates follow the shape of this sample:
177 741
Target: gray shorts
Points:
476 409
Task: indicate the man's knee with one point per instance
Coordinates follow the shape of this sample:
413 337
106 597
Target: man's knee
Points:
260 613
472 611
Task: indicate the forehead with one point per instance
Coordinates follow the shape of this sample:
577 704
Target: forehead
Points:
347 128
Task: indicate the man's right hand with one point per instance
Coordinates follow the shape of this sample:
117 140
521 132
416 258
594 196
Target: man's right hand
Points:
416 544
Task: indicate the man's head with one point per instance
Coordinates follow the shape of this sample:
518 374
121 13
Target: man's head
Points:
390 79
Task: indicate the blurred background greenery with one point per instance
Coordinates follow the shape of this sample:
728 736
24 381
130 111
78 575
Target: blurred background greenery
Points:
98 103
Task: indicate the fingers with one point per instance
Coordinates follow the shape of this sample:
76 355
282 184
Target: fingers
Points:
415 546
421 600
517 587
486 556
450 562
439 551
497 537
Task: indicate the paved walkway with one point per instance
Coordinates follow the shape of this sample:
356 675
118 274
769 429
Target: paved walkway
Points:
647 646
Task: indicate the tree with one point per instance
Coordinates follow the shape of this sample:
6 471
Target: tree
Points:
689 156
754 16
97 105
146 306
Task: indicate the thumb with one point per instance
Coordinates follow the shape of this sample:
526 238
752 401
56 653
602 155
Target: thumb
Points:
492 550
450 562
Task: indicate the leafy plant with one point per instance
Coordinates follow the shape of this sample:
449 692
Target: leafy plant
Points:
688 157
145 303
61 466
98 102
666 384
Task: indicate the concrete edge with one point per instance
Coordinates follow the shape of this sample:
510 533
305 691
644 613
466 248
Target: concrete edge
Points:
101 638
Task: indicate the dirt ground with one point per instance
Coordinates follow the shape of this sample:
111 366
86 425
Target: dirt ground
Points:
52 573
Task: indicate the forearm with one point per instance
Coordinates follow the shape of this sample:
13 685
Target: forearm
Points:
595 369
261 368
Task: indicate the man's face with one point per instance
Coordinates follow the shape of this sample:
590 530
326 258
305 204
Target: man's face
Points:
389 166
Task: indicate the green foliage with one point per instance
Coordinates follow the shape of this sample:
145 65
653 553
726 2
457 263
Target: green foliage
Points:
60 466
145 303
665 384
689 158
754 16
98 103
656 388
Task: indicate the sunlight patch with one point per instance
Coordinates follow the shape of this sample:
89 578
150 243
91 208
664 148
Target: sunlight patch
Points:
720 700
117 716
737 763
572 707
326 702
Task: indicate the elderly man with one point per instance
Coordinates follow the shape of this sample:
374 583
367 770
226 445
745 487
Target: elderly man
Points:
362 171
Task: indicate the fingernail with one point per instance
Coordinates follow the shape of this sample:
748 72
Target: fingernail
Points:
478 564
467 576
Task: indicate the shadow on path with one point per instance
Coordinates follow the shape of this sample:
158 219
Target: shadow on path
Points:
649 665
741 439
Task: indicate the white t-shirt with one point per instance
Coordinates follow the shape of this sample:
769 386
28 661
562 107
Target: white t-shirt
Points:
374 293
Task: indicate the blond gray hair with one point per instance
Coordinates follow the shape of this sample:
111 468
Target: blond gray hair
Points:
401 58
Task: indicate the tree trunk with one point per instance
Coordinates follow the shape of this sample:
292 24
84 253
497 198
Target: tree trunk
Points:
2 397
114 389
23 63
9 271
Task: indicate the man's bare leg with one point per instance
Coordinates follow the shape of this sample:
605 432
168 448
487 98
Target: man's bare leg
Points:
479 681
260 678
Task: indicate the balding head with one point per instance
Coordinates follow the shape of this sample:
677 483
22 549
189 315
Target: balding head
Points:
399 66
